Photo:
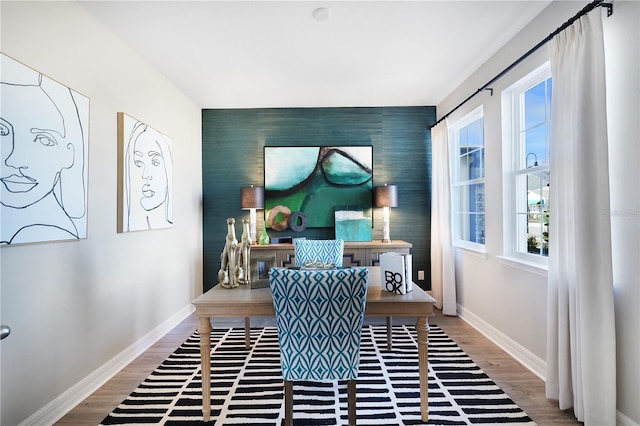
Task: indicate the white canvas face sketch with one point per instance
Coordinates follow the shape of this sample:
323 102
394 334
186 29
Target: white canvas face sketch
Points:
145 176
44 150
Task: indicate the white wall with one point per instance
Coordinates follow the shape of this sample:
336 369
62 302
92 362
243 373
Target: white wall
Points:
74 306
509 303
622 53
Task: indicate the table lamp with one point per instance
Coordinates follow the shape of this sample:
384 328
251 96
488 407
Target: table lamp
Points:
386 196
252 198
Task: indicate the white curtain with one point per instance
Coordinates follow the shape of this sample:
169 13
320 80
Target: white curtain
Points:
581 347
443 282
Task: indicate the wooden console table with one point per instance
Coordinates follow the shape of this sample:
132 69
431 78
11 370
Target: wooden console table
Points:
356 253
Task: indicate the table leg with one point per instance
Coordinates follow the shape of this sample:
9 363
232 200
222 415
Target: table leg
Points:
247 332
389 334
205 365
422 327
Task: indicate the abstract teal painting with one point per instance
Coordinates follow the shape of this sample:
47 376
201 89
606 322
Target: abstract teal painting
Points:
313 180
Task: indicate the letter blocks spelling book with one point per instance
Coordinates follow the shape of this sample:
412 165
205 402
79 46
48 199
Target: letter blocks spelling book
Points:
396 272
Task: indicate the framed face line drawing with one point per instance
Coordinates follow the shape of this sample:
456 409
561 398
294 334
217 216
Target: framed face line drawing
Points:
44 128
145 176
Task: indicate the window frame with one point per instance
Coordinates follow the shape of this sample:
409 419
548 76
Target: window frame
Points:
454 138
513 167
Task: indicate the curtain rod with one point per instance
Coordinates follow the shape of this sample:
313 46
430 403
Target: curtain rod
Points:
588 8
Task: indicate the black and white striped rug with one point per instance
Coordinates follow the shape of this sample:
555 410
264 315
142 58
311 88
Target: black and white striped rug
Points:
247 389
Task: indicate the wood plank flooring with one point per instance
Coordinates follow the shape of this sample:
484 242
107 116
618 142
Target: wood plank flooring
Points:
525 388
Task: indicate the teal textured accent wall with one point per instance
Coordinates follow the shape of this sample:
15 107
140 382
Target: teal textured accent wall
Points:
232 157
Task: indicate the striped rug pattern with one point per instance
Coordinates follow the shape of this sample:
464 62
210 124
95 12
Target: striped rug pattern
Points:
247 389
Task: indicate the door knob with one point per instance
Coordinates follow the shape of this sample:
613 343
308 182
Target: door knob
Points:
5 331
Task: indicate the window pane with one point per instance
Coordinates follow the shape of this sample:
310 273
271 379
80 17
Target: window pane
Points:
522 196
533 233
461 194
538 190
537 234
470 198
476 198
470 205
534 240
463 166
477 167
471 164
549 80
475 134
468 176
477 228
521 227
475 164
471 145
536 146
534 106
462 137
471 227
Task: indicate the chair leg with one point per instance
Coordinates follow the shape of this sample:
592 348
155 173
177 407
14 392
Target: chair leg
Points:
288 403
351 401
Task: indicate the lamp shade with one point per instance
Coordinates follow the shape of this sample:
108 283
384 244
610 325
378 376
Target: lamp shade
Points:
385 196
252 197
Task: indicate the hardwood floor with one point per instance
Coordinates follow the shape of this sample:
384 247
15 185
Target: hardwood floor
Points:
522 386
525 388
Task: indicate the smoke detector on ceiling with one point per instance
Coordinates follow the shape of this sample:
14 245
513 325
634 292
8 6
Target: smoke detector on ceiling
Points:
320 14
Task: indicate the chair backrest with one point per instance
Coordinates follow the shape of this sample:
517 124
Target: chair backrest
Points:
328 251
319 314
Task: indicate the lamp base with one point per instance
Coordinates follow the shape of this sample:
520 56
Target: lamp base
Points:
386 238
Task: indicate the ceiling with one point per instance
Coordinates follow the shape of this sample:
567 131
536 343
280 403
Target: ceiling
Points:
255 54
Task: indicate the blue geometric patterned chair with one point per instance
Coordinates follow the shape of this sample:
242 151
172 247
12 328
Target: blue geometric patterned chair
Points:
327 251
319 314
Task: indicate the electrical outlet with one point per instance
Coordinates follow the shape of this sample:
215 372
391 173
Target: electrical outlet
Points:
421 275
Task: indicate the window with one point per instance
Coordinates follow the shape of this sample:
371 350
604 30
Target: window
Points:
528 134
467 136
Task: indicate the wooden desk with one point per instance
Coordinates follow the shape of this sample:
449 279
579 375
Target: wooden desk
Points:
245 302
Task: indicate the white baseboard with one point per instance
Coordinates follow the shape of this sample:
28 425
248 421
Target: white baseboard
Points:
521 354
622 420
525 357
60 406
